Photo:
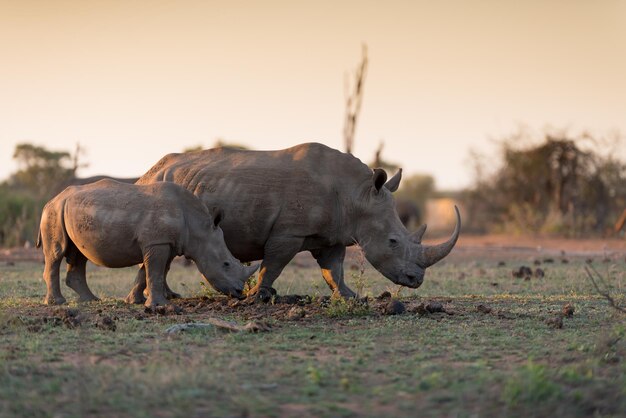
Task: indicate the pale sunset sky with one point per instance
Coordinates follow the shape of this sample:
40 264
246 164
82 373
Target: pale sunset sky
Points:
134 80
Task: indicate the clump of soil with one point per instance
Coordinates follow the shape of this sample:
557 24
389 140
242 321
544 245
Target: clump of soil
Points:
385 295
568 310
295 313
483 308
537 262
523 272
589 261
429 308
163 310
69 317
548 260
394 307
107 323
501 264
555 322
293 299
539 273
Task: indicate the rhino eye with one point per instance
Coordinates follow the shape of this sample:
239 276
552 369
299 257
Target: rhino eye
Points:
393 242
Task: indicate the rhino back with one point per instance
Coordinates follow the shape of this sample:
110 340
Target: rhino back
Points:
301 191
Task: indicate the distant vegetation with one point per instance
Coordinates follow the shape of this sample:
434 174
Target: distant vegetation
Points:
24 193
559 184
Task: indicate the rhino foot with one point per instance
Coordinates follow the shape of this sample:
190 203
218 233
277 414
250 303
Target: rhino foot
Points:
170 294
262 294
52 300
135 298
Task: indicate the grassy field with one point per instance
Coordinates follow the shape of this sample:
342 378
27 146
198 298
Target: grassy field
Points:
508 357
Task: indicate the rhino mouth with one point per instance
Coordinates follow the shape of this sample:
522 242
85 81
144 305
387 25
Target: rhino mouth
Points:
409 279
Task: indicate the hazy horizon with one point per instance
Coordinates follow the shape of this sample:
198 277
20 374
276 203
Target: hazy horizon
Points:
132 81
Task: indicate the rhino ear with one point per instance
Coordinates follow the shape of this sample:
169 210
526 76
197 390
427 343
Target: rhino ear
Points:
217 214
379 178
394 182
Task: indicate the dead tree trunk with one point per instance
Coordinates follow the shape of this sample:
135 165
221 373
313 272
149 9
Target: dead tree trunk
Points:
353 101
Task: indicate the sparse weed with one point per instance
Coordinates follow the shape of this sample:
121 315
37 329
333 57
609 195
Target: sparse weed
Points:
342 308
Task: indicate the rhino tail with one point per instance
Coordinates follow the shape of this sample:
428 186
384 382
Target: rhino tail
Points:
38 244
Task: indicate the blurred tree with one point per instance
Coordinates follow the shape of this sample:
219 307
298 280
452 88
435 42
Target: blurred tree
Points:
553 187
41 170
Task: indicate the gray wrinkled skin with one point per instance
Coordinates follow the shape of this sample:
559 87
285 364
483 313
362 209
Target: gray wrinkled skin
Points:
306 198
114 224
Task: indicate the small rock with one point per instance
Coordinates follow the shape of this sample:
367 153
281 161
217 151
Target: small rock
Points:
568 310
555 322
385 295
295 313
539 273
394 307
483 308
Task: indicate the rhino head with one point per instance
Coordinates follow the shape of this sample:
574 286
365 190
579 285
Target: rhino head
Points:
215 262
395 252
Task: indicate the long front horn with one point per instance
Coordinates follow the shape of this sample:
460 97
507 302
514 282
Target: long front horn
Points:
432 254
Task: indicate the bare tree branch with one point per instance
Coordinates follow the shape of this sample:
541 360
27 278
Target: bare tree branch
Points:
605 294
353 101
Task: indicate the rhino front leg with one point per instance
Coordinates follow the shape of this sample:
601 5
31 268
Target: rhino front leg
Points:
136 295
76 278
277 254
330 261
156 259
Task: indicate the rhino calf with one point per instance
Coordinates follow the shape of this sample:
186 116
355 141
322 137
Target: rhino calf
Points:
115 224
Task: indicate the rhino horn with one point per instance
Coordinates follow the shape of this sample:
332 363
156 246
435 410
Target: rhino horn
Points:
394 182
416 236
249 271
432 254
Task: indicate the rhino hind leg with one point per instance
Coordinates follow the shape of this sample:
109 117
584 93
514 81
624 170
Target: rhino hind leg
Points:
156 260
330 261
76 278
51 277
278 253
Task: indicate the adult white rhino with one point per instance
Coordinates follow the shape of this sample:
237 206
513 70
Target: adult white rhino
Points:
306 198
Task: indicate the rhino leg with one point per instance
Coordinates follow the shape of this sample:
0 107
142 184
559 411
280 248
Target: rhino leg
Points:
278 253
76 278
156 259
330 261
169 293
136 294
51 277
